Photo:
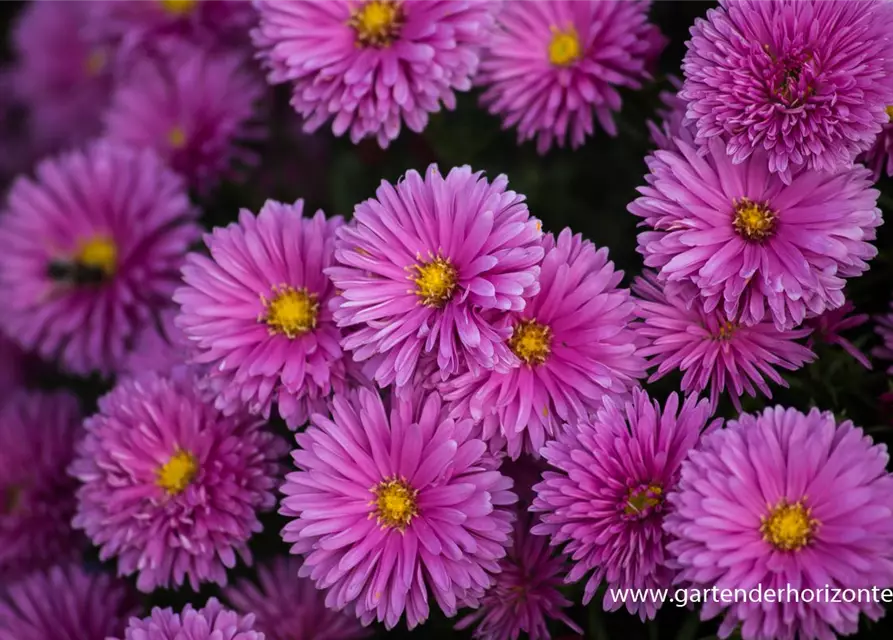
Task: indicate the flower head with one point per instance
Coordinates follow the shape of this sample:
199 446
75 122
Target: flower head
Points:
606 499
257 312
827 328
171 488
431 266
212 622
549 66
92 249
778 499
372 65
38 432
744 241
572 345
805 81
65 602
712 352
288 607
389 505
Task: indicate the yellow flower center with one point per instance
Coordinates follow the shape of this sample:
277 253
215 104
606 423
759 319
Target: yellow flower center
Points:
531 341
754 220
435 281
788 527
179 7
95 62
99 253
11 499
890 113
640 501
564 48
395 503
377 22
176 137
177 473
291 311
726 330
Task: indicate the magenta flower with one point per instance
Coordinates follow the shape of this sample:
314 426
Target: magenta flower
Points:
572 345
387 506
288 607
194 107
431 266
257 312
38 432
212 622
884 329
372 65
65 602
159 348
744 241
171 488
607 499
712 352
827 328
879 158
549 66
91 250
805 81
779 499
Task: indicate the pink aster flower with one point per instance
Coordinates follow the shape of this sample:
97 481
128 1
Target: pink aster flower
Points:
712 352
193 106
572 345
159 347
806 81
879 158
212 622
389 506
288 607
549 66
372 65
171 488
827 329
785 499
257 312
606 500
744 241
884 329
430 267
38 432
65 602
91 249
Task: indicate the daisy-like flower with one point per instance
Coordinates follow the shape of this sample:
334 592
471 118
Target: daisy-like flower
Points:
38 432
572 343
549 66
372 65
91 250
159 348
211 622
827 329
744 241
806 81
288 607
606 499
430 267
780 499
712 352
389 506
257 312
171 488
880 157
194 106
65 602
884 329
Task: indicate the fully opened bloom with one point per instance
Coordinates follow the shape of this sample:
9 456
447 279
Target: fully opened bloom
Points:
193 106
372 65
606 500
257 312
65 602
170 487
289 607
211 622
749 244
712 352
389 506
38 432
430 267
785 499
572 343
92 249
550 66
806 81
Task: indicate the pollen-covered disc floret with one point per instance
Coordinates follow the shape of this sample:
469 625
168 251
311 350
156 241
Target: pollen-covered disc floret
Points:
171 488
782 498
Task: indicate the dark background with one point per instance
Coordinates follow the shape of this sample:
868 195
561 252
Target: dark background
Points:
587 190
